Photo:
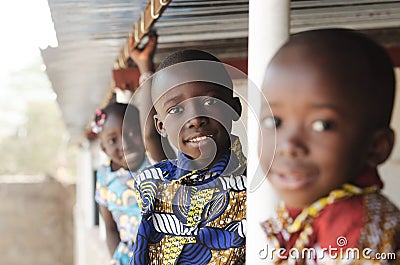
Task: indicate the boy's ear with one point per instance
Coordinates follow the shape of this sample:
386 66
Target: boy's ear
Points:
159 126
237 107
381 147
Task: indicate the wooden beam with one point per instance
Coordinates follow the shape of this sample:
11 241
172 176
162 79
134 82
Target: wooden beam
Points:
127 78
148 17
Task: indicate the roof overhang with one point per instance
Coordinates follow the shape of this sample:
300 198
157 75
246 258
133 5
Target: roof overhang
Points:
91 34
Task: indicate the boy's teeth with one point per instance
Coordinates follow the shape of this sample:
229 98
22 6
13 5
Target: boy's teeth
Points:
291 176
198 139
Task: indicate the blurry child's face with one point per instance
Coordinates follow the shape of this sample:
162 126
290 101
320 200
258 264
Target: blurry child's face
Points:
197 118
320 135
126 148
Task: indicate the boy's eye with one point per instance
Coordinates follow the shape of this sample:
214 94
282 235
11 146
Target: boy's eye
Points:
111 141
210 101
175 110
271 122
322 125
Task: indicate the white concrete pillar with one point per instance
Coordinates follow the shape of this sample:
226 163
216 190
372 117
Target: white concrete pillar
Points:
268 30
390 170
84 207
85 199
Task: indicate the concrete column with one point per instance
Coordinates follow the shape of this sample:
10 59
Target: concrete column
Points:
268 30
390 170
84 207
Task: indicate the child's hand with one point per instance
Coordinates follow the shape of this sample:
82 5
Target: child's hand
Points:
144 57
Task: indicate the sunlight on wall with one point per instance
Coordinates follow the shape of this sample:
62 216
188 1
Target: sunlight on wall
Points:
391 169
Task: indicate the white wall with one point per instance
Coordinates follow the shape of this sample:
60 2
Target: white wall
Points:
390 171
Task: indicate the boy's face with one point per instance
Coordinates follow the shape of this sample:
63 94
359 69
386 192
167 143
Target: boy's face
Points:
321 134
197 119
125 148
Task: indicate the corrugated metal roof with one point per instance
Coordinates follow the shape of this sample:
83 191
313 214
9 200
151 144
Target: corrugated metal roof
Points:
91 33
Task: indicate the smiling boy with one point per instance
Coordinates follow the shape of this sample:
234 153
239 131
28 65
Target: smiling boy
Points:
331 93
194 207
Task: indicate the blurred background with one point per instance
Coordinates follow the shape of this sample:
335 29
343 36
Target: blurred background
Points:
37 163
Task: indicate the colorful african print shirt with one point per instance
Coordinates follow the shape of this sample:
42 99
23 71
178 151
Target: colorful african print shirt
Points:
192 216
352 225
113 193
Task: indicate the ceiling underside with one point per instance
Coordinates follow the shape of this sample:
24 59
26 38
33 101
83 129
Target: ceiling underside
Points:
90 34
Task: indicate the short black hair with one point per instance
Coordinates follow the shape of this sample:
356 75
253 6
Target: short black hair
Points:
120 109
355 62
205 68
185 56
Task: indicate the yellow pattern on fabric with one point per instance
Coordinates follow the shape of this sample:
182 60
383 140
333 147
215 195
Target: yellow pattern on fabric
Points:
379 234
149 191
173 248
139 199
235 211
314 209
237 149
303 221
174 245
198 202
382 228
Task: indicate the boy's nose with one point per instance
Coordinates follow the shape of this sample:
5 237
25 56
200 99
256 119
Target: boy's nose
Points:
197 122
291 144
120 150
127 144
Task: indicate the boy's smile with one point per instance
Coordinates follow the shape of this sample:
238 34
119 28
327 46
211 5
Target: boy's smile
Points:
123 145
197 119
293 174
320 130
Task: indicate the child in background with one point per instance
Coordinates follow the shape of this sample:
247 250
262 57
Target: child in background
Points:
331 92
117 202
125 147
194 207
